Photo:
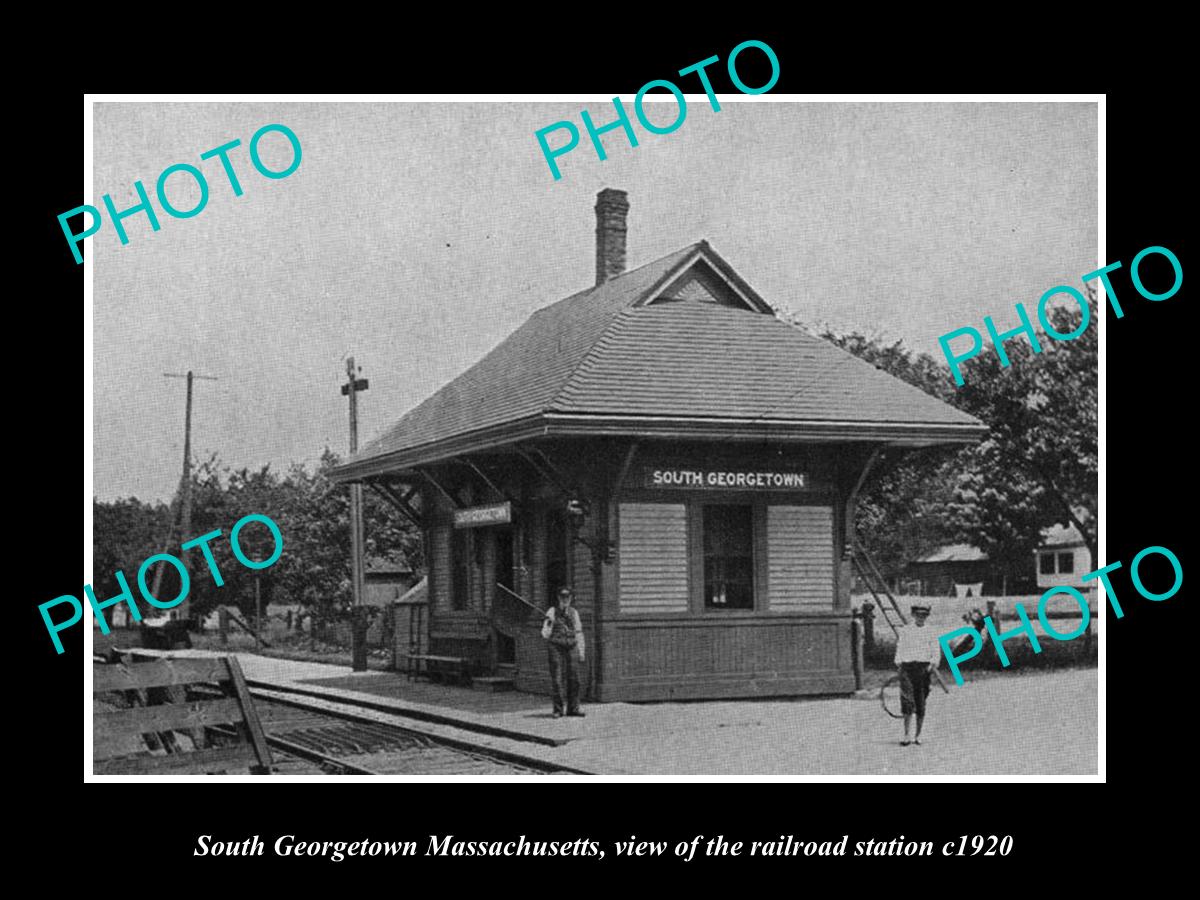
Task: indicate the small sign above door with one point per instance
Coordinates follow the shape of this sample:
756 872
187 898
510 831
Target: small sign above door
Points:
479 516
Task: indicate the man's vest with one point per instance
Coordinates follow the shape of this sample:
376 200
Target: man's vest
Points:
562 634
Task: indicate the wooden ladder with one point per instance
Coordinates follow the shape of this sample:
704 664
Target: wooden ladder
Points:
877 584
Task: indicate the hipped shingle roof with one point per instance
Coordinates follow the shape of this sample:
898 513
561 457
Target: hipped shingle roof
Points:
609 357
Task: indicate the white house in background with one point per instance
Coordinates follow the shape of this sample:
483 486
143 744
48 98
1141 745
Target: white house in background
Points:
1063 558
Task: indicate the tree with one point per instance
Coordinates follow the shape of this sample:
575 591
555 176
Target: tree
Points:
318 577
904 510
1041 412
125 532
312 514
1036 467
995 507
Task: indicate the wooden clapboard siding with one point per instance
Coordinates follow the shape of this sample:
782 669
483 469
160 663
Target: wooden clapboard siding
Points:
653 557
584 586
440 585
486 540
537 559
800 557
728 656
749 647
671 657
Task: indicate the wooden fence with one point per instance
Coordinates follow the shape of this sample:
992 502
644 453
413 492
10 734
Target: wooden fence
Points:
153 717
950 613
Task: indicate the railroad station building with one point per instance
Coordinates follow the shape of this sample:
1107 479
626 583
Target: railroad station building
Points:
682 458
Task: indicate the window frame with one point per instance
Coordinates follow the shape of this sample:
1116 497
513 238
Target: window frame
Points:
1047 557
1069 555
701 603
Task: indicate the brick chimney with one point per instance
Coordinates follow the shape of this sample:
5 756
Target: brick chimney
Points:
611 209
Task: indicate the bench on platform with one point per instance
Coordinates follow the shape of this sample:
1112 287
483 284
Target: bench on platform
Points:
437 667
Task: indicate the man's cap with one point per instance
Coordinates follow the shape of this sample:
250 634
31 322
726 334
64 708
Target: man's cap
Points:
564 592
919 607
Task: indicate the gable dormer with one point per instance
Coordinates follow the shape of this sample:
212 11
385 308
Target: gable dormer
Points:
706 278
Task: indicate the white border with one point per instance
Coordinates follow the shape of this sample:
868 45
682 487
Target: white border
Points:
88 453
90 99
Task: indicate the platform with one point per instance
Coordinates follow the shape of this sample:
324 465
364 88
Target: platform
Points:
1013 723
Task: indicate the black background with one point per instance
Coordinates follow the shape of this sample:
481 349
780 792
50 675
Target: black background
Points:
1068 828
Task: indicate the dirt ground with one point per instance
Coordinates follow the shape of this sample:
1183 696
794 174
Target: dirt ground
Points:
290 645
1017 722
1042 723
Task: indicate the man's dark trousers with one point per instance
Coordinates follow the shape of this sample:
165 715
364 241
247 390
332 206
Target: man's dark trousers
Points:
562 669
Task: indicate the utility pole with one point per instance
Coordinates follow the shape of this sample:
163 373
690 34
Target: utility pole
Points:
185 489
257 610
357 630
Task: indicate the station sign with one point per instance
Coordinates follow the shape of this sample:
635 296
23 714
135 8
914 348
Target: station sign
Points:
479 516
724 479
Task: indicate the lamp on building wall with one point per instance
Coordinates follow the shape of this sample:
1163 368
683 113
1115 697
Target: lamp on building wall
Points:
577 513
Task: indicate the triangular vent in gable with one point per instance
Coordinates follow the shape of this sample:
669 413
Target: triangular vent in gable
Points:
700 282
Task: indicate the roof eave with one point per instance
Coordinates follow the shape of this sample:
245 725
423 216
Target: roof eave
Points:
397 461
668 428
916 433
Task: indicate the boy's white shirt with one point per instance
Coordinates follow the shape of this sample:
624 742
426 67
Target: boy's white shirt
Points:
918 643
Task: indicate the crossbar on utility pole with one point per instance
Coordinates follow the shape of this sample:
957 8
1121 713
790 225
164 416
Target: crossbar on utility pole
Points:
358 633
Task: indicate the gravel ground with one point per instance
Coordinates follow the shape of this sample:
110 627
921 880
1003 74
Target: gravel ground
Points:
377 748
1019 722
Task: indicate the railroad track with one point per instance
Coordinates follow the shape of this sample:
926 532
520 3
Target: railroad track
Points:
323 738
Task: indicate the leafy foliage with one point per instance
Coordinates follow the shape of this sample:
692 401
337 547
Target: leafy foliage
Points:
1036 467
313 515
1042 415
132 531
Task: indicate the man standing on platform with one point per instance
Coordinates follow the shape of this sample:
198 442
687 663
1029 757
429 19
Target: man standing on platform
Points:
917 655
563 632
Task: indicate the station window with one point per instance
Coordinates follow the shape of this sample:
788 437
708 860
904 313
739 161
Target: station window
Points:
1046 563
460 568
1066 563
728 557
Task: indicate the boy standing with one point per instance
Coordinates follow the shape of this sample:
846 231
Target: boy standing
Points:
917 655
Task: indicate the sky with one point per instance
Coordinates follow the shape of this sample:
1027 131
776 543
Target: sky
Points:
416 236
